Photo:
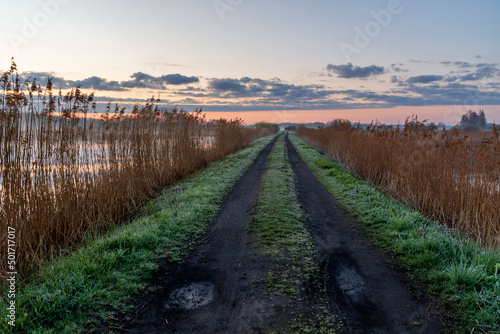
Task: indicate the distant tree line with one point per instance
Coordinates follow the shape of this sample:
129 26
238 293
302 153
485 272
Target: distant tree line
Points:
473 121
470 121
273 127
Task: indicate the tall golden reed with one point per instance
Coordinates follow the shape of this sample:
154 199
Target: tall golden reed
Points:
450 176
68 171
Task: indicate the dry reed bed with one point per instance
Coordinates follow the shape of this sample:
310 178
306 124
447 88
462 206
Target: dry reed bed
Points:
67 171
449 176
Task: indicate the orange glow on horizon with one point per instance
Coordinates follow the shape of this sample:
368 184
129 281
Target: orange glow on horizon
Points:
450 115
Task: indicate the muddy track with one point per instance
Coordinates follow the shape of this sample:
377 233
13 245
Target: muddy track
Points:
216 289
371 298
211 292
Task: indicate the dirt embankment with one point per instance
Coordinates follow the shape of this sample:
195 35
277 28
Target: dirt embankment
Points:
217 290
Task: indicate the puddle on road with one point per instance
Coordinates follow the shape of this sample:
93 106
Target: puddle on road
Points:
351 283
346 279
191 297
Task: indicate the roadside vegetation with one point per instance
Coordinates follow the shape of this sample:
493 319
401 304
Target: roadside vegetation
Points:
458 271
72 294
281 235
450 176
68 171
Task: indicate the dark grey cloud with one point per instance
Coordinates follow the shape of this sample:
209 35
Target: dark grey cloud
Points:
94 82
482 71
455 93
349 71
462 64
398 67
424 79
383 99
41 78
473 71
97 83
448 94
178 79
273 89
143 80
139 80
227 85
247 80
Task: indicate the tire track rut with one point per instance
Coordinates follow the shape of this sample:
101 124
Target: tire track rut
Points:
370 296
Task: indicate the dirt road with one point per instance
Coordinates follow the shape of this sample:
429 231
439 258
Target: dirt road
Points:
216 290
370 296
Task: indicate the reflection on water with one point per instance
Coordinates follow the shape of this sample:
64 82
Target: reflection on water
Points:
81 160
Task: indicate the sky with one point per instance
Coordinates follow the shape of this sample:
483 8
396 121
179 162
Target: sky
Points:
273 60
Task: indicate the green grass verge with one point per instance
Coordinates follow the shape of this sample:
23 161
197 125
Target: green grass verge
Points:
71 293
462 274
279 227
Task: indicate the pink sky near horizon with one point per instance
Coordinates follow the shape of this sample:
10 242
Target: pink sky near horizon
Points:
450 115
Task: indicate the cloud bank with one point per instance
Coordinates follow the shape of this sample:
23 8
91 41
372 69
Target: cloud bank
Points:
350 71
139 80
460 83
424 79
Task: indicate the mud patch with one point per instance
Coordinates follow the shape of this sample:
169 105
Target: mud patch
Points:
191 297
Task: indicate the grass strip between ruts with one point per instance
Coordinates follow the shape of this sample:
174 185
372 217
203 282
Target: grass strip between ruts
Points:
281 234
